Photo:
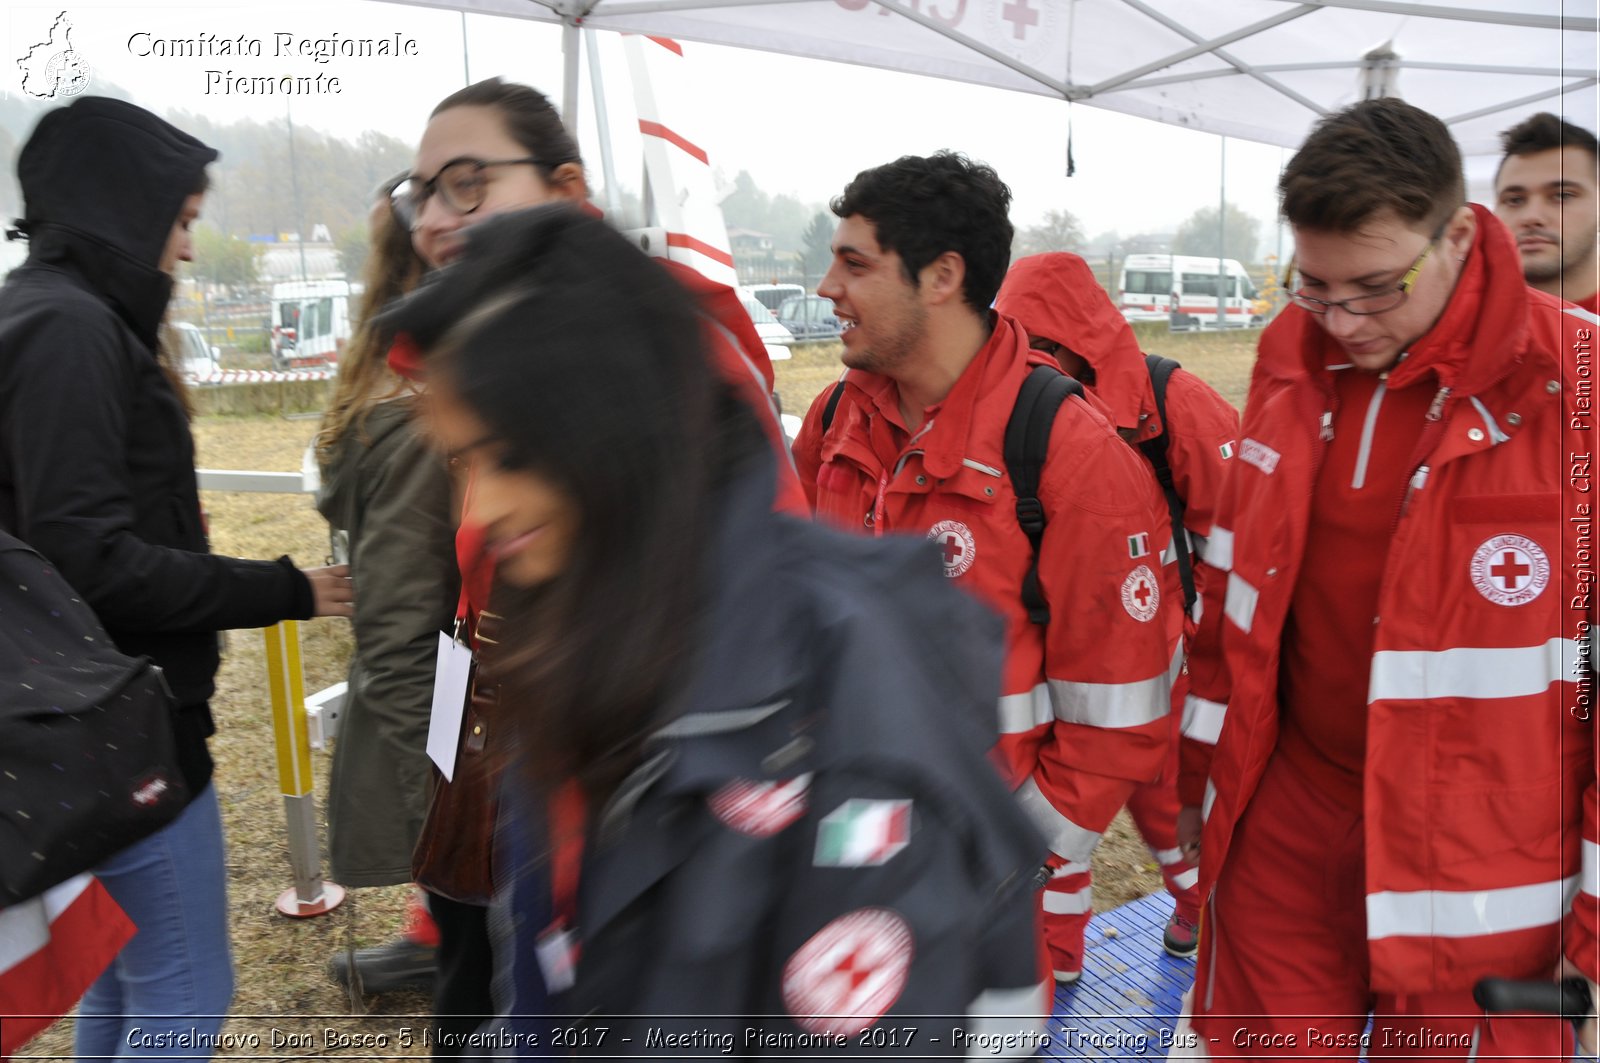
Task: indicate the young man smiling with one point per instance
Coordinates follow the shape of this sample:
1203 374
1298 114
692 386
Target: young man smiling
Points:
915 445
1397 791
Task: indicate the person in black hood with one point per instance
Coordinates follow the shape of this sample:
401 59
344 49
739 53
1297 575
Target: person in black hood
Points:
97 474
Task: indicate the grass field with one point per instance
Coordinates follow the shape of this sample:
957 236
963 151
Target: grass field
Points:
281 984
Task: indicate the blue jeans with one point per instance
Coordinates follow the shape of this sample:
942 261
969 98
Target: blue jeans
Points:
167 991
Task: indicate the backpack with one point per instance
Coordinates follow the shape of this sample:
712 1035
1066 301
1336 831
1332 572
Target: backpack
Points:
1155 452
1027 441
88 755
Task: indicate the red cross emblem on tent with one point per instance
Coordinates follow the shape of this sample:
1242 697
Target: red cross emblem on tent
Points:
1141 594
849 973
1021 14
1510 570
957 550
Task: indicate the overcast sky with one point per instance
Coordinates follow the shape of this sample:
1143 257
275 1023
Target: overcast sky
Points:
799 126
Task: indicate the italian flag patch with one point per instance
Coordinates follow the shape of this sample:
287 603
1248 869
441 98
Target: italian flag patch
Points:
1226 450
1139 545
861 833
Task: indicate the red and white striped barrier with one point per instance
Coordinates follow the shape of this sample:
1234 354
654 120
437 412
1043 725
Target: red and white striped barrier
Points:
260 376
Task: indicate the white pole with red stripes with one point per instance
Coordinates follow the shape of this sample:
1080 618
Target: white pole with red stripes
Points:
682 193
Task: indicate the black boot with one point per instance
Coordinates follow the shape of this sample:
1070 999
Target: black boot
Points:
398 964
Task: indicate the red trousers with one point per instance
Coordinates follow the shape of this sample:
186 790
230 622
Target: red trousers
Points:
1283 970
1068 896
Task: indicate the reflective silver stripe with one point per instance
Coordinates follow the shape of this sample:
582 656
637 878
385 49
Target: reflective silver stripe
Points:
1063 903
1167 856
1021 713
1469 913
1581 313
1198 544
1219 549
1076 903
1186 879
1209 800
1070 868
1364 452
1591 868
1240 604
1469 671
1064 837
980 466
1112 704
1202 719
711 723
1199 607
1496 436
1169 556
992 1029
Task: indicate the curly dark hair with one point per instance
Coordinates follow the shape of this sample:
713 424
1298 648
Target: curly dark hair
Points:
1544 132
1379 155
923 206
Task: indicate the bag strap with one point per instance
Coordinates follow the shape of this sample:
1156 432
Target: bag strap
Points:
1027 443
833 404
1155 452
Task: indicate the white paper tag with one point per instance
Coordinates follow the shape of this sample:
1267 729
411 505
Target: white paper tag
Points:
557 950
450 677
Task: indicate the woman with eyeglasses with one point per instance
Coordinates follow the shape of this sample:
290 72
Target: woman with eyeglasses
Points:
387 491
745 810
492 147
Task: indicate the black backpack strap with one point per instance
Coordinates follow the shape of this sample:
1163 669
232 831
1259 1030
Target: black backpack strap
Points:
1026 445
833 405
1155 452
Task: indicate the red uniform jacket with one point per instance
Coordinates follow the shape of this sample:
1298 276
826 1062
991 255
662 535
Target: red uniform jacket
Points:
1479 780
1084 702
1057 296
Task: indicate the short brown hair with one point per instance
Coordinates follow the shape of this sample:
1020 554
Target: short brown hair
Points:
1379 155
1543 132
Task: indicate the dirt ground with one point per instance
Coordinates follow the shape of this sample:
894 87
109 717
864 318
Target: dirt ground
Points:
284 999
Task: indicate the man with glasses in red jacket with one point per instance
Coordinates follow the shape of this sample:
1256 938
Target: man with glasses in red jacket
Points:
1397 790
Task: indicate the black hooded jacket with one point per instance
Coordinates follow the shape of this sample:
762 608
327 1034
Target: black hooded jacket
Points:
96 458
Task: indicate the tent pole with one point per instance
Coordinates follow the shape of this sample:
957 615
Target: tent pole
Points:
1222 239
569 75
602 124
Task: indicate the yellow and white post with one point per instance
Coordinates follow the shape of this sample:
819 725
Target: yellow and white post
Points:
310 894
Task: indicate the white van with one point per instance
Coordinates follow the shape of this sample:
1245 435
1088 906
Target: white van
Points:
1182 289
310 322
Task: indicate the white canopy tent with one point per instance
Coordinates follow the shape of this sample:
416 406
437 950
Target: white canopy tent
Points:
1263 70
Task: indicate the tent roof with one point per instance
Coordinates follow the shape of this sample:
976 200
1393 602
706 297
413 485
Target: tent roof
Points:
1263 70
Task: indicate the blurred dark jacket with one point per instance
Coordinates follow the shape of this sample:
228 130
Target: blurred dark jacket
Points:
391 493
96 459
823 790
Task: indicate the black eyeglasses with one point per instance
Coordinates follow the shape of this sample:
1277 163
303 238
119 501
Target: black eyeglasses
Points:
1366 305
460 183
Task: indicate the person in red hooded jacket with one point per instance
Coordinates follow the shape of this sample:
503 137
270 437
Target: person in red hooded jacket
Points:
916 446
1058 301
1395 773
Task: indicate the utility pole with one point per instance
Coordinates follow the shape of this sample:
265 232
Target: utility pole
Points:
1222 239
294 185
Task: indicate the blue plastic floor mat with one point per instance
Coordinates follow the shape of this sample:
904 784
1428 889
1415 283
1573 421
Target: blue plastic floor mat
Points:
1126 1003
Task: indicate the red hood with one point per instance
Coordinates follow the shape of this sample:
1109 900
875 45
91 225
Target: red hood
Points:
1056 296
1482 333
